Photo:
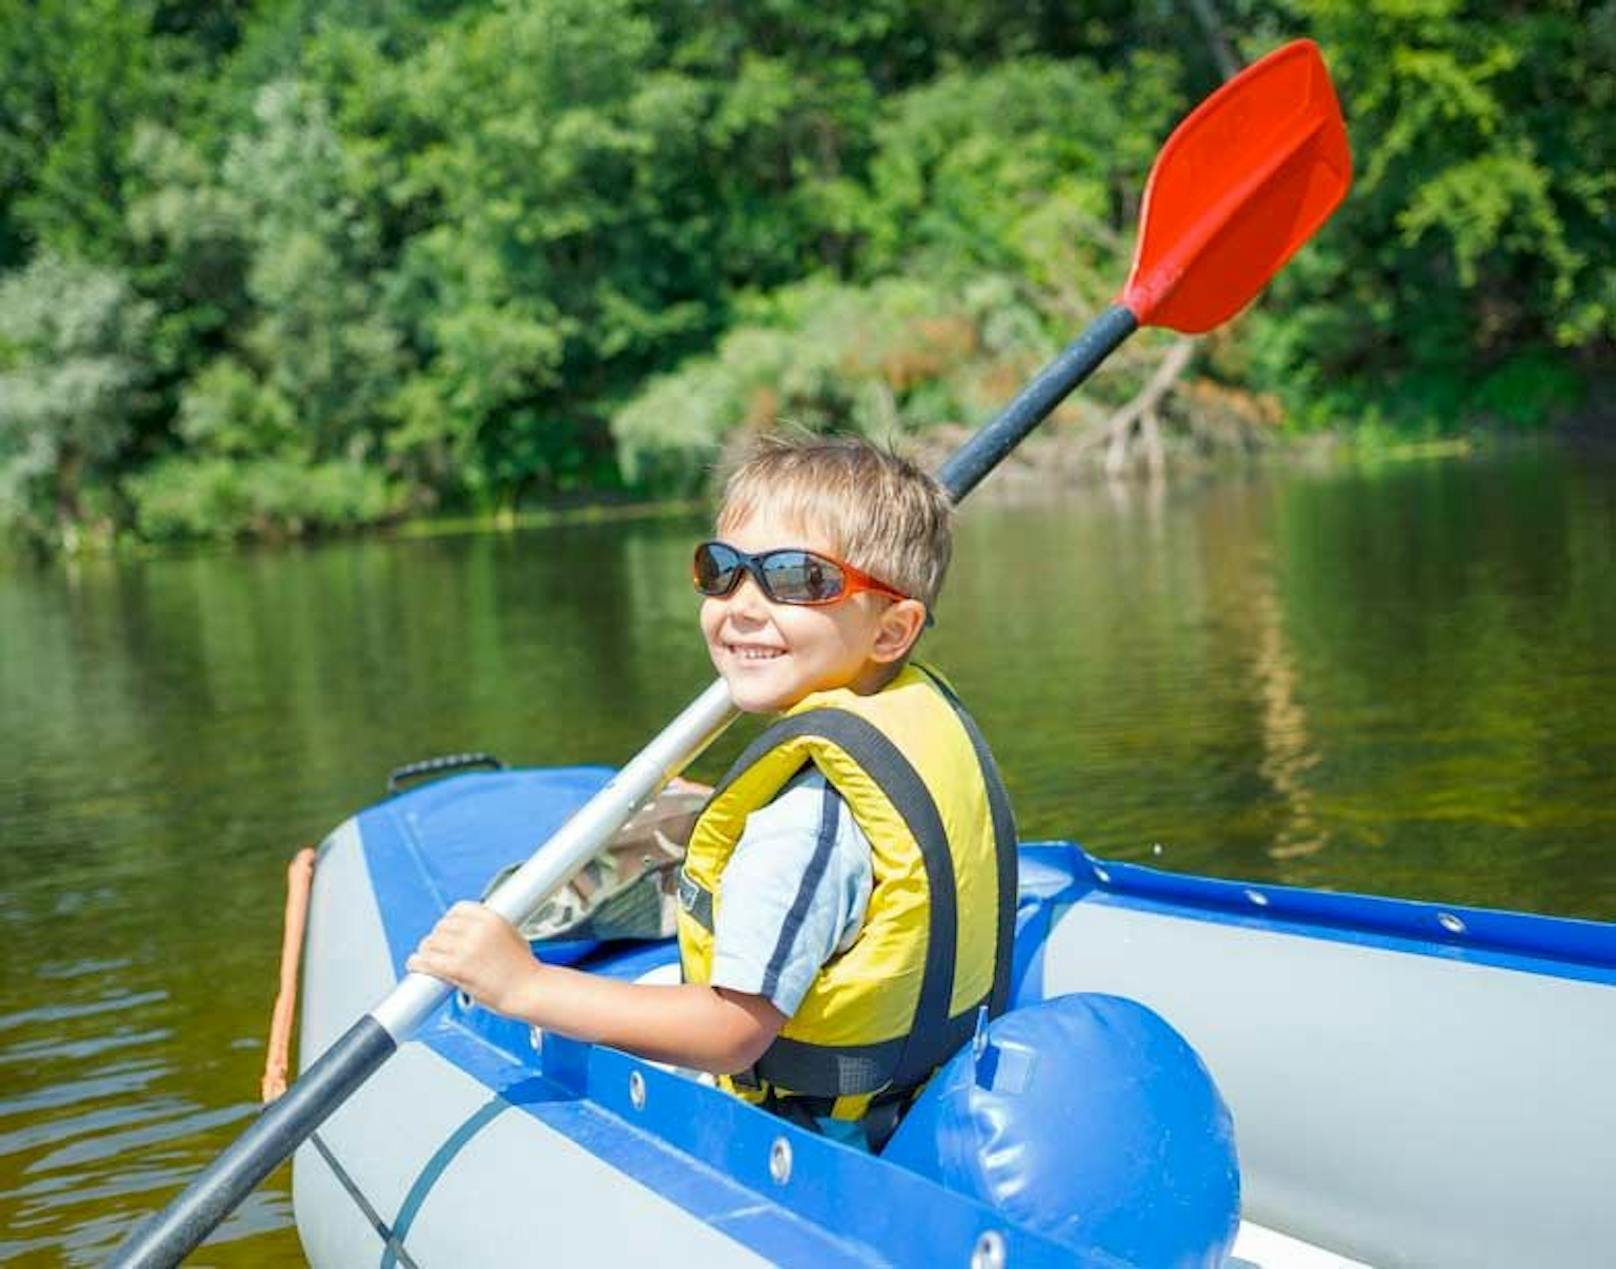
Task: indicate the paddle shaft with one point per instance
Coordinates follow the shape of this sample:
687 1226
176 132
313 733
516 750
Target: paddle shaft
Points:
165 1238
1055 382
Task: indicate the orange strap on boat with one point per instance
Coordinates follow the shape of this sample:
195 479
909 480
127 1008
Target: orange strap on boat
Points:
299 881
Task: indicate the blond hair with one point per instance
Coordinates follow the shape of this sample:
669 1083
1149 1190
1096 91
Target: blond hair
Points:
879 510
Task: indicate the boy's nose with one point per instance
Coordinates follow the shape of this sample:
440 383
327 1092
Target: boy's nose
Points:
748 599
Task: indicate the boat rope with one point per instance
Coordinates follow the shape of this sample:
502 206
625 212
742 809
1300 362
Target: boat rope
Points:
299 882
392 1244
299 885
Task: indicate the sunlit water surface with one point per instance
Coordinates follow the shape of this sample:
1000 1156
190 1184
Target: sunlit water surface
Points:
1396 681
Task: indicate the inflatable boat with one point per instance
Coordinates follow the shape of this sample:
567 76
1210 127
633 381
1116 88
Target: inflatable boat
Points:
1235 1073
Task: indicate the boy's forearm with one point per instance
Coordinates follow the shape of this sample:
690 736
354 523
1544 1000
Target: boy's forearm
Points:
713 1029
686 1024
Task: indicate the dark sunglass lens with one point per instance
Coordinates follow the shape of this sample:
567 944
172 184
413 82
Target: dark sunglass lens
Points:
716 568
796 577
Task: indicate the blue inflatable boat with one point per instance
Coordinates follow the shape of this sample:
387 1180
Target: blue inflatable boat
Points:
1193 1072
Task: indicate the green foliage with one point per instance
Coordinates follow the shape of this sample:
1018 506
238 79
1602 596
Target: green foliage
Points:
992 208
529 291
71 342
970 164
900 355
359 259
262 497
74 75
1477 235
191 247
319 340
1526 388
811 365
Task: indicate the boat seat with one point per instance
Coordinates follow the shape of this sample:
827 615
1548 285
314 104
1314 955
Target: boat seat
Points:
1087 1119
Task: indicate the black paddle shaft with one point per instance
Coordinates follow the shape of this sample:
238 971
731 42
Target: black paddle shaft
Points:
1080 358
165 1237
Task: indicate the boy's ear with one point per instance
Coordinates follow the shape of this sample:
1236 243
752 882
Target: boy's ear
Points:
899 627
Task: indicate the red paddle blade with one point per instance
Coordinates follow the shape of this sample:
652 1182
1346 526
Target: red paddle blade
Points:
1239 186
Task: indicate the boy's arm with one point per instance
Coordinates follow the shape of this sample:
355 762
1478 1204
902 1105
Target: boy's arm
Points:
711 1028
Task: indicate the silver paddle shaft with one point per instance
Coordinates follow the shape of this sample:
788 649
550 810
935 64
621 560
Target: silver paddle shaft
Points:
576 842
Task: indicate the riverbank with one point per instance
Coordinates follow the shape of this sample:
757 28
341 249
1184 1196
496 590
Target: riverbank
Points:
1045 463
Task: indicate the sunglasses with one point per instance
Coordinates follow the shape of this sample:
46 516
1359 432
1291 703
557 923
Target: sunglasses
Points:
787 576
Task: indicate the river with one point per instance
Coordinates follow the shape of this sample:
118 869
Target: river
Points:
1395 679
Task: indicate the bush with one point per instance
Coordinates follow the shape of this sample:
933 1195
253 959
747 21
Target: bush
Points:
269 497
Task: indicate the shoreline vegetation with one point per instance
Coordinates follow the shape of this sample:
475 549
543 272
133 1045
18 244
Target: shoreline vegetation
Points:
297 268
1044 466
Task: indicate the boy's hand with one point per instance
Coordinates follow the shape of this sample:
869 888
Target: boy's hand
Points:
480 952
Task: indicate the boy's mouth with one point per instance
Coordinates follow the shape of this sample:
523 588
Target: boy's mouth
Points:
753 652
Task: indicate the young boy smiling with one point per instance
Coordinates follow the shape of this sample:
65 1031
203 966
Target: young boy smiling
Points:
848 892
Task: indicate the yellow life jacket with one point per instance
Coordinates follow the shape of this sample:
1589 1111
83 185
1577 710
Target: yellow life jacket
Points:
935 945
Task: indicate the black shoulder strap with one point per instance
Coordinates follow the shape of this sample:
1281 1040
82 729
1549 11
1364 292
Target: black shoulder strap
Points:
1004 847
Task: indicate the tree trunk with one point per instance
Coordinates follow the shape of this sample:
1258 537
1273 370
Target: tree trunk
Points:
1223 54
69 509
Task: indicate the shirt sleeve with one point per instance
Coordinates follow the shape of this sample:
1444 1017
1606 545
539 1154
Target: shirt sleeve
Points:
795 892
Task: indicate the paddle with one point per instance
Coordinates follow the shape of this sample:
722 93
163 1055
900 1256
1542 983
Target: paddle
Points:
1239 186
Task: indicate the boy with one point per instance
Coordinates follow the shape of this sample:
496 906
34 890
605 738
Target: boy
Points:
848 894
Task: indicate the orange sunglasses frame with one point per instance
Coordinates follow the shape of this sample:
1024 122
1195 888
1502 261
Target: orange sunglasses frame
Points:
854 579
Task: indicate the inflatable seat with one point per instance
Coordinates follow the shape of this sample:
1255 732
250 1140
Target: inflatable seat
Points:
1090 1120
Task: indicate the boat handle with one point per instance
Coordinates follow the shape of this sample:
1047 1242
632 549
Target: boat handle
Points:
441 766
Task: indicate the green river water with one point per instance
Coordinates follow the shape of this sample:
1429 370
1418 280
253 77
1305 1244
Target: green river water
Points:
1396 680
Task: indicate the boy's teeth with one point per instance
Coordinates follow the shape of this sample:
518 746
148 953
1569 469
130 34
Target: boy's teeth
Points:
756 654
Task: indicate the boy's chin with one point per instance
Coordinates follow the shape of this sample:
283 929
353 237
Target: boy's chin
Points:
755 702
761 698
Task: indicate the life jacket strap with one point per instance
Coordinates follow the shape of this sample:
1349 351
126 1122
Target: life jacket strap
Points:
1006 852
851 1070
880 1118
696 901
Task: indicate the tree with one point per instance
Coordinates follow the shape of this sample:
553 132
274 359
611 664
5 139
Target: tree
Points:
1475 245
74 76
71 343
283 429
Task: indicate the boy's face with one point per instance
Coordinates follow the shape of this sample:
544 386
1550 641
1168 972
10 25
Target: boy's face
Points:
772 655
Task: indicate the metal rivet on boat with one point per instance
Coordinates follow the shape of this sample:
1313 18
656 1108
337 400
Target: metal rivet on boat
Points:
1258 898
1101 875
464 1000
989 1251
1450 923
636 1089
780 1160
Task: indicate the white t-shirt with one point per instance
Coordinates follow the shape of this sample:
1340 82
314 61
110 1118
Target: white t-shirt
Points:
795 890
